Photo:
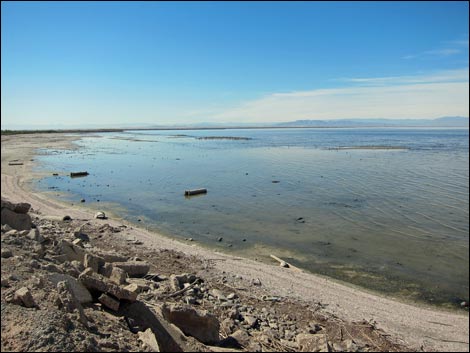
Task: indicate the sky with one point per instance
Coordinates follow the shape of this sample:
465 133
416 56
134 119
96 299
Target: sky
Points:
117 63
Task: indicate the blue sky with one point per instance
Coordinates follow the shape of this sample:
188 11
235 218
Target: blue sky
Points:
187 62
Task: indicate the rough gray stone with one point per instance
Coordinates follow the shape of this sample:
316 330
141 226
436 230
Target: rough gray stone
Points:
312 343
196 323
72 252
17 221
79 291
118 275
148 338
93 261
133 268
102 284
109 302
23 296
6 253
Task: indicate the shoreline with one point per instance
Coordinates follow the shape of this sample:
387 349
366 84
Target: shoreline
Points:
417 325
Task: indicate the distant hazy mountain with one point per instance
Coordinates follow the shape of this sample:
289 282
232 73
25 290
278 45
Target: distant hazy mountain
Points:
449 121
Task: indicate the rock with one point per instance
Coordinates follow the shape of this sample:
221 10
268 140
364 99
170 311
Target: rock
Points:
177 281
220 239
66 218
109 302
17 221
111 256
312 343
69 302
140 318
106 270
51 268
94 281
23 296
79 291
250 320
232 296
78 232
284 264
218 294
5 283
72 252
93 261
6 228
134 268
34 264
21 208
77 265
33 234
39 250
148 338
133 287
11 232
118 275
256 282
6 253
234 314
241 337
78 242
100 215
196 323
174 283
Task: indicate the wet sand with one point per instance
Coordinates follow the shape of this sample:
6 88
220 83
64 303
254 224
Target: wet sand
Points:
419 326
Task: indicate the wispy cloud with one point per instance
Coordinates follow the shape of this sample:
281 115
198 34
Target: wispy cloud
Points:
449 48
460 75
431 96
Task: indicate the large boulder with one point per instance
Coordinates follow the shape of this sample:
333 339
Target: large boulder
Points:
18 221
196 323
79 291
96 282
134 268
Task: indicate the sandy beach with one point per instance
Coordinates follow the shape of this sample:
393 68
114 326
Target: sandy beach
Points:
417 326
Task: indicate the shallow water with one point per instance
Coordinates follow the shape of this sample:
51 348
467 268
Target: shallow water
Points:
392 218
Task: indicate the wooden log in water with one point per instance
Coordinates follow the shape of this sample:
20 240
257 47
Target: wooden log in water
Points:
195 192
78 174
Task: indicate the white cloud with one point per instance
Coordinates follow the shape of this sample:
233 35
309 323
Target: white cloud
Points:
443 52
452 47
442 76
432 96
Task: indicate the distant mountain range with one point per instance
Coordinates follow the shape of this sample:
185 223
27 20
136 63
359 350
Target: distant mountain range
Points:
448 121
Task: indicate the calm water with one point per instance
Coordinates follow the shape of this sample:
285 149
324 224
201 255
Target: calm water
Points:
394 220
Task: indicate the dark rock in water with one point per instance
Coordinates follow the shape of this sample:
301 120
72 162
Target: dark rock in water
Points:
66 218
82 200
220 239
275 181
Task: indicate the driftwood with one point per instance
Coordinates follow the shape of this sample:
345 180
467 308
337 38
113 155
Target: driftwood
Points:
78 174
195 192
288 265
